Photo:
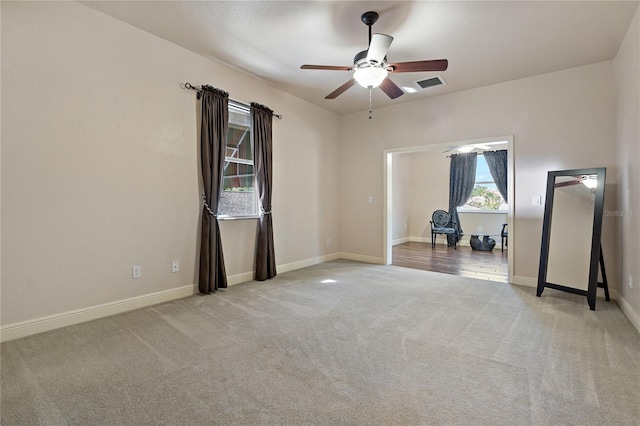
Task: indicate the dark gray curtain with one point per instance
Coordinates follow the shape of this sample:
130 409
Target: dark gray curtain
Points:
497 162
261 121
462 177
213 140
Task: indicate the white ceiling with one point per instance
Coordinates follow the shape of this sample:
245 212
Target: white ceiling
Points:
486 42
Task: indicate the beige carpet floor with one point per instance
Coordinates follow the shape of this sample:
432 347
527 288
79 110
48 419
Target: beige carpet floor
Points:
340 343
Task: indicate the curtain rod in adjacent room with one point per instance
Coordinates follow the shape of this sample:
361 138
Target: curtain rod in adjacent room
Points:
233 102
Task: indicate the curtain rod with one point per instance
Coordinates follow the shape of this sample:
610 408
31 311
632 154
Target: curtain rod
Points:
233 101
479 153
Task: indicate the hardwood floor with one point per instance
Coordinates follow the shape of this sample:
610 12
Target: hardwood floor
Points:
487 265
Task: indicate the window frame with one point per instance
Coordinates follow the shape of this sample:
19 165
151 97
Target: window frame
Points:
238 161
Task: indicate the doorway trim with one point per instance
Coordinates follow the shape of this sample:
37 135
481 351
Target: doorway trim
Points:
388 191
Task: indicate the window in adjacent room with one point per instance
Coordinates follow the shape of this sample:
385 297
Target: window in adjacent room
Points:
238 198
485 196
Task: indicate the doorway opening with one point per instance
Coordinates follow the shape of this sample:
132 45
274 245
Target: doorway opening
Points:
416 184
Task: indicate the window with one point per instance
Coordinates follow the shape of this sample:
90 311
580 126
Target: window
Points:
485 196
238 197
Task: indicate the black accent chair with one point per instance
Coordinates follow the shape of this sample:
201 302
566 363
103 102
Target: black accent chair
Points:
504 235
441 224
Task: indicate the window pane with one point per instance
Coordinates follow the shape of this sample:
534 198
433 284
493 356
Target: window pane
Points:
485 197
485 194
482 170
239 143
237 201
238 197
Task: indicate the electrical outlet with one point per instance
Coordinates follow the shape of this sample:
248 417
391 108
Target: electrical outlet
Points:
175 266
328 241
479 230
137 272
370 199
630 281
536 200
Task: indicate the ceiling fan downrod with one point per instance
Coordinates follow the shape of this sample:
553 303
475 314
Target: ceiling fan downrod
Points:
369 18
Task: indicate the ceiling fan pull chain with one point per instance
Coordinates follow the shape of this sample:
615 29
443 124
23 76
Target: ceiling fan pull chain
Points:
370 89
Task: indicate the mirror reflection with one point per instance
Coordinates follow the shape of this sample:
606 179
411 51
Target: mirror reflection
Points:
571 228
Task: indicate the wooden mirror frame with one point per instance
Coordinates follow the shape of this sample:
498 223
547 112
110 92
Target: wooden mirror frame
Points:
596 255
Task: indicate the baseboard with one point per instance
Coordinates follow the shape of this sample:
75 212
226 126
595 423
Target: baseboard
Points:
242 278
632 315
464 242
285 267
400 241
442 240
420 239
52 322
362 258
308 262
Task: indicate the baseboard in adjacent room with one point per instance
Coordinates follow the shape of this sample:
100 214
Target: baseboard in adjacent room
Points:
51 322
420 239
443 240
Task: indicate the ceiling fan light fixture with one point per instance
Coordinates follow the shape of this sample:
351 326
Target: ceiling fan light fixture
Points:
467 148
590 182
370 76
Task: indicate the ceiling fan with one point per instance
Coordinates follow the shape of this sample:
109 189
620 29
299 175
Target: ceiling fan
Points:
590 181
370 67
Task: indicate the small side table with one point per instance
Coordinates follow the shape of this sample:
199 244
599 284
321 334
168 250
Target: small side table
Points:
486 244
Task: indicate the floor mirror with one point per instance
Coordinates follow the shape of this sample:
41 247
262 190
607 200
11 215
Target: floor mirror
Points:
571 258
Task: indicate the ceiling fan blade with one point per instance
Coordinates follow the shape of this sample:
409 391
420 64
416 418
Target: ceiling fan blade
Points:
340 90
568 183
378 47
391 89
417 66
326 67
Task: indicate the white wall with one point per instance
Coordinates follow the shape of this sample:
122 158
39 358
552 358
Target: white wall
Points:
401 201
100 164
561 120
429 191
627 210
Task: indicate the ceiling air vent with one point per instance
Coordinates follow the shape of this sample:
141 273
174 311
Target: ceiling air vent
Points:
431 82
